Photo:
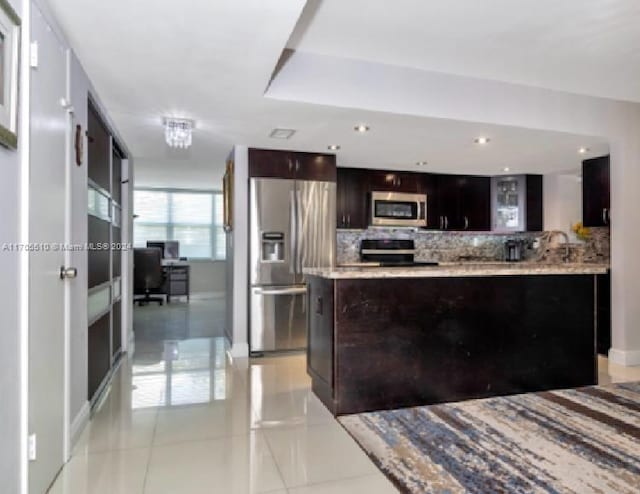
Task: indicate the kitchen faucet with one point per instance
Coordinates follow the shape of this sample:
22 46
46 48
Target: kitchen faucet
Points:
552 234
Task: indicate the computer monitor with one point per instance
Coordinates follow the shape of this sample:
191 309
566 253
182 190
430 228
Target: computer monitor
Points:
170 248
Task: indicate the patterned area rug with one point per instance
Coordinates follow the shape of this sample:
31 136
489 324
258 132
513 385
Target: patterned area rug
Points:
581 441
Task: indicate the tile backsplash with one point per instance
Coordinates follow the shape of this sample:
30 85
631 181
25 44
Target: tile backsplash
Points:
478 246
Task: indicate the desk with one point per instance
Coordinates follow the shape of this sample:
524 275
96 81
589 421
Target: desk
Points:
176 282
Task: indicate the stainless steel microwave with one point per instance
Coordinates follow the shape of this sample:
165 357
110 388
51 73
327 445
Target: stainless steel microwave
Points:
398 209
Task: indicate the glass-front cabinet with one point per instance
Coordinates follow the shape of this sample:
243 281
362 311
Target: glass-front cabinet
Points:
508 198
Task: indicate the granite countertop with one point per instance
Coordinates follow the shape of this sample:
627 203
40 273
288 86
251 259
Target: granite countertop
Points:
457 270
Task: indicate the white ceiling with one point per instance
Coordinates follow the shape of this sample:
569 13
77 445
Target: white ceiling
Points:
211 61
581 46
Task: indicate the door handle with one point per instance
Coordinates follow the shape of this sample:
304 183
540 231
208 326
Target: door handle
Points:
68 273
293 231
281 291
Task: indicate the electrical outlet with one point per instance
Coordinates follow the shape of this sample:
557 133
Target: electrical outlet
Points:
32 447
33 55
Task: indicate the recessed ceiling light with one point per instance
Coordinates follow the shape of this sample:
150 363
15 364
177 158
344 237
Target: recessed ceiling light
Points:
361 128
421 163
333 147
583 150
481 140
506 169
282 133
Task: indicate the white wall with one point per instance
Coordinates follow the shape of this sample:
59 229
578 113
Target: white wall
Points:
79 87
237 258
562 199
10 163
207 276
347 83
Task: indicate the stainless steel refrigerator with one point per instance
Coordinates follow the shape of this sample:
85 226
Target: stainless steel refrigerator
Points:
292 226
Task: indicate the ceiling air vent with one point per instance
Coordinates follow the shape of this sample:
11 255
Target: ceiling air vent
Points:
282 133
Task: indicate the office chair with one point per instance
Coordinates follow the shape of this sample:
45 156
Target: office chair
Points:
148 276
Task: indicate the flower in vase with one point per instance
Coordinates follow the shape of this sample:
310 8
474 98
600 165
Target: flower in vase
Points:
581 231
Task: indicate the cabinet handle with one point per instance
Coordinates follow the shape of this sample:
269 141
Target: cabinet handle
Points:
399 181
349 220
605 216
441 223
466 223
297 166
343 223
446 223
290 165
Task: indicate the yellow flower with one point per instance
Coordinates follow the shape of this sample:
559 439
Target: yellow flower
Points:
581 231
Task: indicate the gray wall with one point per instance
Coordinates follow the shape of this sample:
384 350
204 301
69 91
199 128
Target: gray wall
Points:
207 276
9 320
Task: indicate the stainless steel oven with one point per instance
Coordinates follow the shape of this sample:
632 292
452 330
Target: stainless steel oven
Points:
398 209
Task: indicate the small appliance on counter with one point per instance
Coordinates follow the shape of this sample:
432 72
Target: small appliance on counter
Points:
513 250
390 253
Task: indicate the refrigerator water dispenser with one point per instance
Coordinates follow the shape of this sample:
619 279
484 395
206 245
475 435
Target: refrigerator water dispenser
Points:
272 247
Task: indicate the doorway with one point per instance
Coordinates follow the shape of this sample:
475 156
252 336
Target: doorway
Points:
48 273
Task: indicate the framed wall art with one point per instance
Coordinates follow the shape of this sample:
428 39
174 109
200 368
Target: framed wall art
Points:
9 66
227 188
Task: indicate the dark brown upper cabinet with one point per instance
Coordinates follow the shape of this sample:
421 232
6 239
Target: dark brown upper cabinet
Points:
429 186
463 203
268 163
534 203
595 191
352 196
385 180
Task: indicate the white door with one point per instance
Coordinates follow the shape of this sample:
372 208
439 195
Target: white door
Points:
47 202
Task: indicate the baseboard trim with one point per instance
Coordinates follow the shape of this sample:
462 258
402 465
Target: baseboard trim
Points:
239 350
79 422
628 358
207 295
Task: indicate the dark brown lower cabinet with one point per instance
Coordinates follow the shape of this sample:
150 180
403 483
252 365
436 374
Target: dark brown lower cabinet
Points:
603 340
99 358
389 343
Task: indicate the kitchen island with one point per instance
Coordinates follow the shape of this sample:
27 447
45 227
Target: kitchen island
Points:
384 338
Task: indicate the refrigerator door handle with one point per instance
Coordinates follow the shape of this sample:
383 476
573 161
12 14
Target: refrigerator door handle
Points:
299 227
293 232
281 291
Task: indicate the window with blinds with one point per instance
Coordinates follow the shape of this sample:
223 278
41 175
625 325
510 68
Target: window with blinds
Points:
193 218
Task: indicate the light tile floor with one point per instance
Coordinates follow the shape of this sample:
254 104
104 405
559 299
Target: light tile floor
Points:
188 420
